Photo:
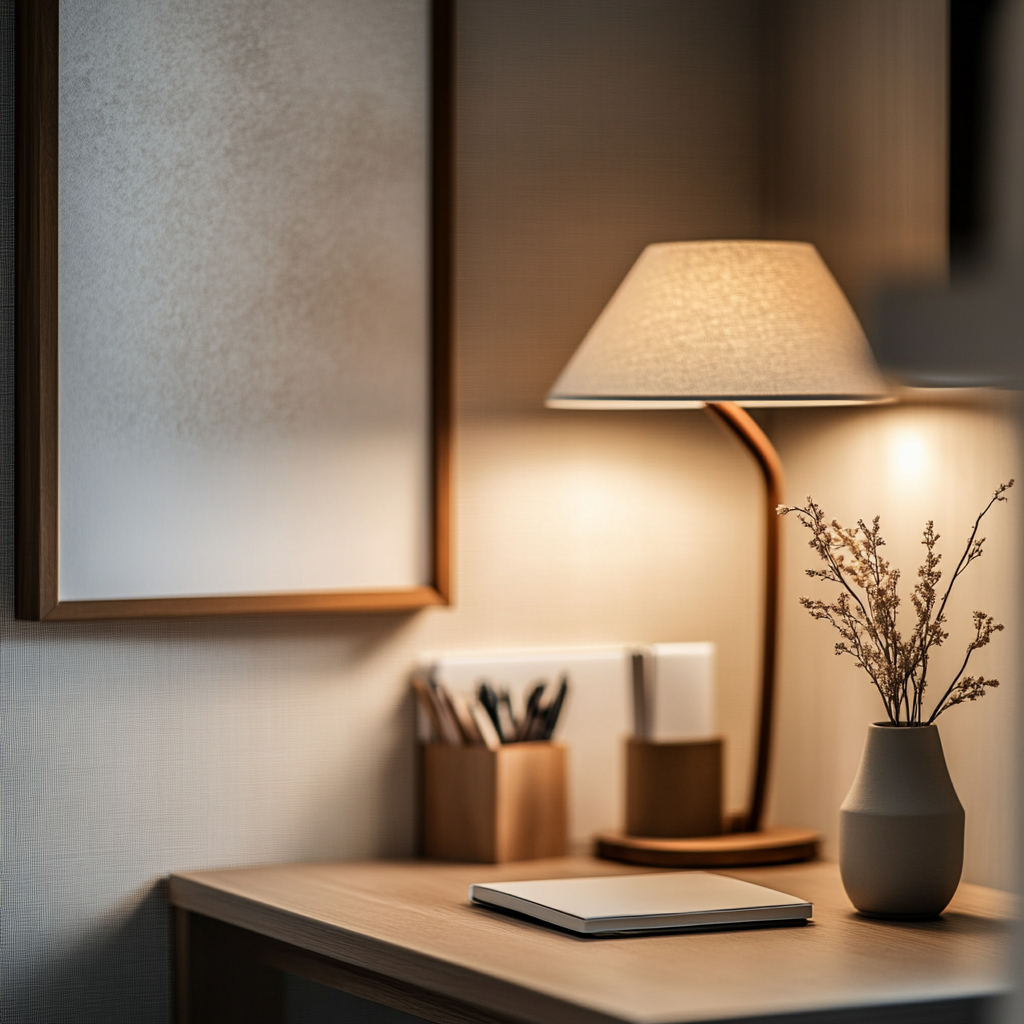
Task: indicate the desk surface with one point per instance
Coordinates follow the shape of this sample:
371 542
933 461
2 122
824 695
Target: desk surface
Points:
411 921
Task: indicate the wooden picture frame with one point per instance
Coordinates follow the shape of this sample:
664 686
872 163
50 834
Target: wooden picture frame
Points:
38 409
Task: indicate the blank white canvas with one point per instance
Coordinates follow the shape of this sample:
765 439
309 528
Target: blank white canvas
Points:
243 296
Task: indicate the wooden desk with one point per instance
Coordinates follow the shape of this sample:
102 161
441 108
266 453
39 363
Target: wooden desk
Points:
404 934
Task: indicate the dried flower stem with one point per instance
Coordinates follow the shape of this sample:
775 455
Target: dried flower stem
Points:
866 610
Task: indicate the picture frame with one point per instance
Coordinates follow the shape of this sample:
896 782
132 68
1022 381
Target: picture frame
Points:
52 546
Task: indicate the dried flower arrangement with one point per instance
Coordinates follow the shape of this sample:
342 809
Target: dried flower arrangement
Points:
867 620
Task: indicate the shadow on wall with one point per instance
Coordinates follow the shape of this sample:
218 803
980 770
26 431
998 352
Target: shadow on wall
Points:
118 973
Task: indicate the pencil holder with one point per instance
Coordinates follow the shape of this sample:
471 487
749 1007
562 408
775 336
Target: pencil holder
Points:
493 806
673 790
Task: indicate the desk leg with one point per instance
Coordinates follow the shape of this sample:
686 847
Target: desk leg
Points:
220 976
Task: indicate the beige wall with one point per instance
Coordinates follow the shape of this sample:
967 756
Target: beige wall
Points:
857 138
907 463
856 135
586 129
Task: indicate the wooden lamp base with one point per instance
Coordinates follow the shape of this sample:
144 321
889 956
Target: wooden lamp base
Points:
732 849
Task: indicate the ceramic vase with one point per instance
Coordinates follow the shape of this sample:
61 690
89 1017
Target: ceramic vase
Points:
901 829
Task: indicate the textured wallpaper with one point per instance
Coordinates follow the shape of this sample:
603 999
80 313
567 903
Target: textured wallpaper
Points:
134 749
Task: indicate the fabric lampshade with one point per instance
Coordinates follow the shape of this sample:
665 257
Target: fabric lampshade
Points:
756 323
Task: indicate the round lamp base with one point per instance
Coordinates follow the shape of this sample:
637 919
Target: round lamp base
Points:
732 849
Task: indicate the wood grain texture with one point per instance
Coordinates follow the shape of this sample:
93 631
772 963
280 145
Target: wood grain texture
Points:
673 790
37 345
249 604
412 922
495 806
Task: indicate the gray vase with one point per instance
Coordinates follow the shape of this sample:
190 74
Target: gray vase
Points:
901 827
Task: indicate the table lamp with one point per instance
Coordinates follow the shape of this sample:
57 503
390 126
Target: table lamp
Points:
720 325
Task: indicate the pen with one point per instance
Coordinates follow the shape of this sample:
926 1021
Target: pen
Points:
553 710
509 729
463 715
489 699
526 724
446 732
485 726
451 732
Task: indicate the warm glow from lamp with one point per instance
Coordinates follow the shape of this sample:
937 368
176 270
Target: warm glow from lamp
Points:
720 325
756 323
909 456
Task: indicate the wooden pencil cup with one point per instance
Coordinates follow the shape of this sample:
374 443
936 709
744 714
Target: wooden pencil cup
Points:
493 806
673 790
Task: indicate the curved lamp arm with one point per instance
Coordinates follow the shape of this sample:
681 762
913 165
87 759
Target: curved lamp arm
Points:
740 423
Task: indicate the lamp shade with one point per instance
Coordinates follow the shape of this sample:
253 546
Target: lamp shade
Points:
756 323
